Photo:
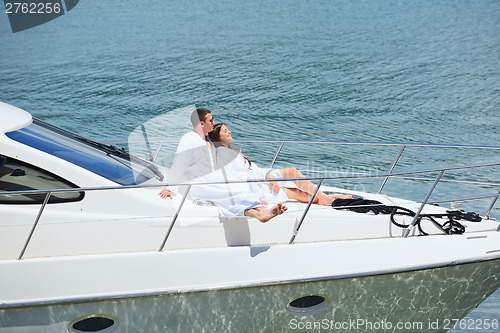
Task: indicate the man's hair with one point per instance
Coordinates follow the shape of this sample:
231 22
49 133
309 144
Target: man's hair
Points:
199 115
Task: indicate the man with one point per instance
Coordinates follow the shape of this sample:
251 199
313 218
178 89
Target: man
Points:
194 162
194 156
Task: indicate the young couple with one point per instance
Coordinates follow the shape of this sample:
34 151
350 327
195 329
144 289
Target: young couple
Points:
205 154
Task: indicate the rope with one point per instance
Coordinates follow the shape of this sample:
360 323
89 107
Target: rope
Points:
451 226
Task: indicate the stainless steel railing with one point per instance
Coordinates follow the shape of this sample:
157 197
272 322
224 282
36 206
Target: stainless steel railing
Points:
396 160
282 143
320 180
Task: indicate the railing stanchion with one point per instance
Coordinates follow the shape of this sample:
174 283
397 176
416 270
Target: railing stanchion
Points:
45 201
158 151
174 219
392 168
298 225
146 140
277 153
415 219
487 215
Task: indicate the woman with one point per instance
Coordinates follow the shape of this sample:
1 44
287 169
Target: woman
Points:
270 192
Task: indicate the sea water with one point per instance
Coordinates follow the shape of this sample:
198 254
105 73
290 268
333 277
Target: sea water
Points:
362 71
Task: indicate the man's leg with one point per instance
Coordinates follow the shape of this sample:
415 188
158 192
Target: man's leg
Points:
264 214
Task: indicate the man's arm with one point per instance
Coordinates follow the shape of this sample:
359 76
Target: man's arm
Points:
165 194
185 158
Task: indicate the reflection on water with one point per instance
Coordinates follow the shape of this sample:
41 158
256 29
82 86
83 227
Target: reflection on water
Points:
485 312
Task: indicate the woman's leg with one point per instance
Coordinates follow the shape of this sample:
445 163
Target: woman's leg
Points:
308 187
299 195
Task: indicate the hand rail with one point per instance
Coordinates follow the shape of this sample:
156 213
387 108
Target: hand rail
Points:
403 147
49 192
360 176
428 145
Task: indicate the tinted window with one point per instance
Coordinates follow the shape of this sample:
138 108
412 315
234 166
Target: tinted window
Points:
76 150
19 176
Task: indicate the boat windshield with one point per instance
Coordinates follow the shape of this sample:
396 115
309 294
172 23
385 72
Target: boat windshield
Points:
104 160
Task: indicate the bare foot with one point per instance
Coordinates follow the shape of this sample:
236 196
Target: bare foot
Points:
328 199
276 210
264 214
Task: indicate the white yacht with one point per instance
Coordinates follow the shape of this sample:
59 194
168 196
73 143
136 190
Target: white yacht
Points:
87 245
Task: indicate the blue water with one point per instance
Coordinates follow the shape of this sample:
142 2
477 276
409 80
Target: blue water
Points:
375 71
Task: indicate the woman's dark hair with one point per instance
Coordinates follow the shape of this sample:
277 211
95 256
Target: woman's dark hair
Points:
215 134
215 138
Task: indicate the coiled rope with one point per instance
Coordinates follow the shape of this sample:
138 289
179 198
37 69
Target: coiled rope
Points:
451 226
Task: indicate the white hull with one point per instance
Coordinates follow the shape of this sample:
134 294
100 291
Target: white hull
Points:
425 300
